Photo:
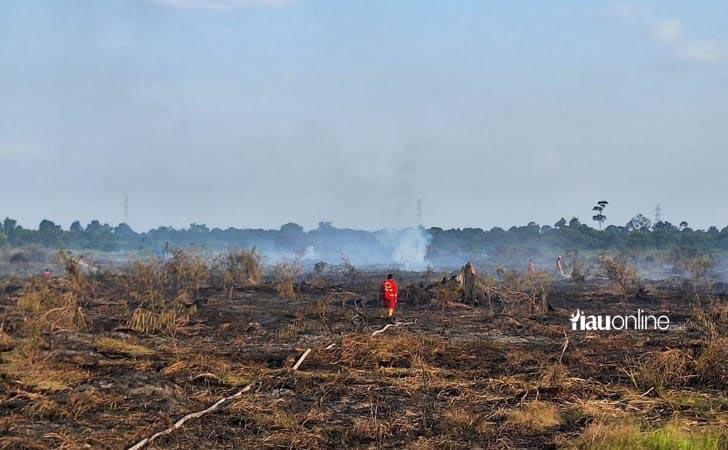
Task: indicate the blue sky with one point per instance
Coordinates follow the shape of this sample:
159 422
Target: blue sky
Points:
253 113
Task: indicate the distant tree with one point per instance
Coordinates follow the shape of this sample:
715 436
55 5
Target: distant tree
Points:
291 236
94 227
48 232
199 228
9 225
599 209
46 226
664 233
325 226
292 228
574 223
124 231
639 223
560 224
683 225
76 227
99 236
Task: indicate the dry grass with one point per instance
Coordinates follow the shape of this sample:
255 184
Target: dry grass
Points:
39 406
167 321
27 366
696 401
285 276
417 386
538 287
83 403
70 317
520 292
513 290
597 409
371 428
49 310
6 341
204 369
536 416
299 326
162 292
241 268
660 370
275 419
20 443
122 347
698 266
460 419
712 365
554 375
579 267
621 276
400 350
156 281
185 273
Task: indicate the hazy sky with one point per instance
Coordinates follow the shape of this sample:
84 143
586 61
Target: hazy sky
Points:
253 113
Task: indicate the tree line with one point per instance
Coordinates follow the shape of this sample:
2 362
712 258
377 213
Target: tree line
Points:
638 233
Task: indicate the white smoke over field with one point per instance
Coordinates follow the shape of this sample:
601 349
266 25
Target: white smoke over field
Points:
409 247
404 248
310 254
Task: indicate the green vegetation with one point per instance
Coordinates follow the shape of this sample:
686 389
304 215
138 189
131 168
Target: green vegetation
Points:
671 437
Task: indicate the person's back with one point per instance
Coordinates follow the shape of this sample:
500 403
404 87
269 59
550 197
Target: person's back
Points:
389 295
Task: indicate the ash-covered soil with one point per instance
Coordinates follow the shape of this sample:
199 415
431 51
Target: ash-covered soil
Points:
454 375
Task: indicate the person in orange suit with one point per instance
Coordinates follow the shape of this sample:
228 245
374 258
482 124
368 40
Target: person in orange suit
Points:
389 296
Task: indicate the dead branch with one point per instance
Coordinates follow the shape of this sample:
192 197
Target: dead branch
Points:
566 344
391 325
301 359
144 442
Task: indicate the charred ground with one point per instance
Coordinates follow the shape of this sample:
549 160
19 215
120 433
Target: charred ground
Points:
104 361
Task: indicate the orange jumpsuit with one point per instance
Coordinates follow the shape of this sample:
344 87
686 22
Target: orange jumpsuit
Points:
389 293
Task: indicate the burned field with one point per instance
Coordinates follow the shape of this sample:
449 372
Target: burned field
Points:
108 360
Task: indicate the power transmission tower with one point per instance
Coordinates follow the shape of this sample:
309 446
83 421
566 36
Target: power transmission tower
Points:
126 208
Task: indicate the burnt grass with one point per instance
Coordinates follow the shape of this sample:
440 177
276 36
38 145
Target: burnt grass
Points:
460 376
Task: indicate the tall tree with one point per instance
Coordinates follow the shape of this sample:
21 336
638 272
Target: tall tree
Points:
599 209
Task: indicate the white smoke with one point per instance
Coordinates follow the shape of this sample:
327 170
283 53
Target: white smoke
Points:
409 247
310 254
